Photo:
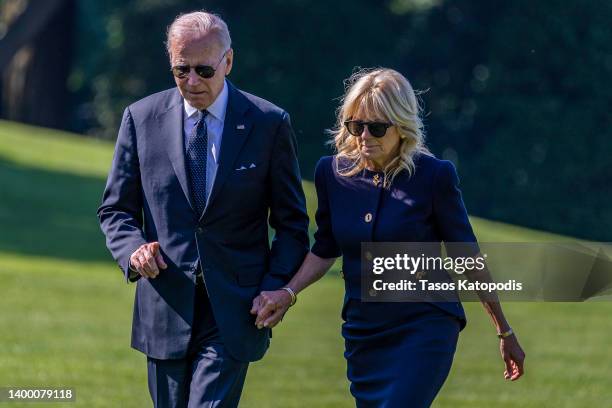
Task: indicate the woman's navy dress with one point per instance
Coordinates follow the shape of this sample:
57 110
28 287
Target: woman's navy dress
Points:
398 354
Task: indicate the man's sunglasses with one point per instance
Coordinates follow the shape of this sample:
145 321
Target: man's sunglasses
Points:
376 129
205 71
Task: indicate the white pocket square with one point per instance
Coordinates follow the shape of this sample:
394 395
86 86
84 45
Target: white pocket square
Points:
243 167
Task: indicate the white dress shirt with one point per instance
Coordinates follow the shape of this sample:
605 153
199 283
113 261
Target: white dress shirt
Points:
215 121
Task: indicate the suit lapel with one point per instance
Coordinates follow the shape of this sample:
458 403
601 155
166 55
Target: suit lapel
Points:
171 128
235 131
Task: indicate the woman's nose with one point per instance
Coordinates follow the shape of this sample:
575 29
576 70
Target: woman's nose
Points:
366 133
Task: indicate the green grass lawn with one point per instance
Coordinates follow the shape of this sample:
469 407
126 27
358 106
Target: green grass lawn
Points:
66 311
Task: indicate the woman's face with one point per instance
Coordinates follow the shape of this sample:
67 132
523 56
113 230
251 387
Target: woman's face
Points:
377 151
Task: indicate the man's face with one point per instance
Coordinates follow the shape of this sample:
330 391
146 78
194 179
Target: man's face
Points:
203 50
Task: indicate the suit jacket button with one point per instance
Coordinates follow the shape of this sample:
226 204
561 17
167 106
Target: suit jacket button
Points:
200 230
368 217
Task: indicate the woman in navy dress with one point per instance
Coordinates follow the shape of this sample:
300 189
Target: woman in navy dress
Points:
383 185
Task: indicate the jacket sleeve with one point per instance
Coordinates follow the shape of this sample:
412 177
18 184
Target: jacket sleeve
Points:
288 215
325 245
449 211
120 213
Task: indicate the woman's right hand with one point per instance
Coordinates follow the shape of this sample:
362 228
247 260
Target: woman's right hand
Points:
270 307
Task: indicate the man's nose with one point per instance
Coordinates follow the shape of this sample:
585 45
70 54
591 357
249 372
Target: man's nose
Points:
193 78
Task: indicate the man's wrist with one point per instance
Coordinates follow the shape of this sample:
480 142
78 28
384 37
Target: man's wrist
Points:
132 273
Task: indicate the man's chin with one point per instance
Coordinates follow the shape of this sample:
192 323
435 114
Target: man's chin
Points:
198 103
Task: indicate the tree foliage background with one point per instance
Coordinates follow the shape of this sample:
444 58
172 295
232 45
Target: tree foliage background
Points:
517 94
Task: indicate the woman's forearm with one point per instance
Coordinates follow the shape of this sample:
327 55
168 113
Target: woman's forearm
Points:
313 268
489 299
494 310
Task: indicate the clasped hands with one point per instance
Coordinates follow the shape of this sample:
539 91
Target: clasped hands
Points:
270 307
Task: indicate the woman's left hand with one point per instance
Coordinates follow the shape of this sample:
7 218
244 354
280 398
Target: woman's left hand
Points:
270 307
513 356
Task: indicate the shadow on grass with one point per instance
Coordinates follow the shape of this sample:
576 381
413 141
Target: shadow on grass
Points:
50 213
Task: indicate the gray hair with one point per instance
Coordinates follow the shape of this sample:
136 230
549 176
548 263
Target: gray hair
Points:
198 23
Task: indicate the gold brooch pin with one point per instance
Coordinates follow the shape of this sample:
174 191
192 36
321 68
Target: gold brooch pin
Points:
376 180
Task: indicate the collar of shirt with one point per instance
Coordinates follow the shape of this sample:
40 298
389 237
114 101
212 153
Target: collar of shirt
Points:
216 109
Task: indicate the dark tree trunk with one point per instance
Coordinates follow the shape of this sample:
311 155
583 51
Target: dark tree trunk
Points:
34 82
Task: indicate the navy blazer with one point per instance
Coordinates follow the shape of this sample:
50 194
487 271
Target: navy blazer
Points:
424 207
147 199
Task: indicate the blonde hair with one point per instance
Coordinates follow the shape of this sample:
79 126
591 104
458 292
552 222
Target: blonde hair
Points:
198 23
386 95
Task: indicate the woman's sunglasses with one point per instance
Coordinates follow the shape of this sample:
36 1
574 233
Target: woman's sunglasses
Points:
376 129
205 71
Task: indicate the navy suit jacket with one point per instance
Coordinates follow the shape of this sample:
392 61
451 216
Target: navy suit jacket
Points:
147 199
424 207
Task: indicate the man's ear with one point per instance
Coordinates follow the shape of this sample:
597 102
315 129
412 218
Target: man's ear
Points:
229 61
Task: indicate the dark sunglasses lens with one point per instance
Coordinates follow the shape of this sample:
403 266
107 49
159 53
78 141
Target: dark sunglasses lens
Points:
205 71
377 129
354 128
180 71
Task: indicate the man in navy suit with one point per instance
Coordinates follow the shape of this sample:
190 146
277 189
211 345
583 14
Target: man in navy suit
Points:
197 173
